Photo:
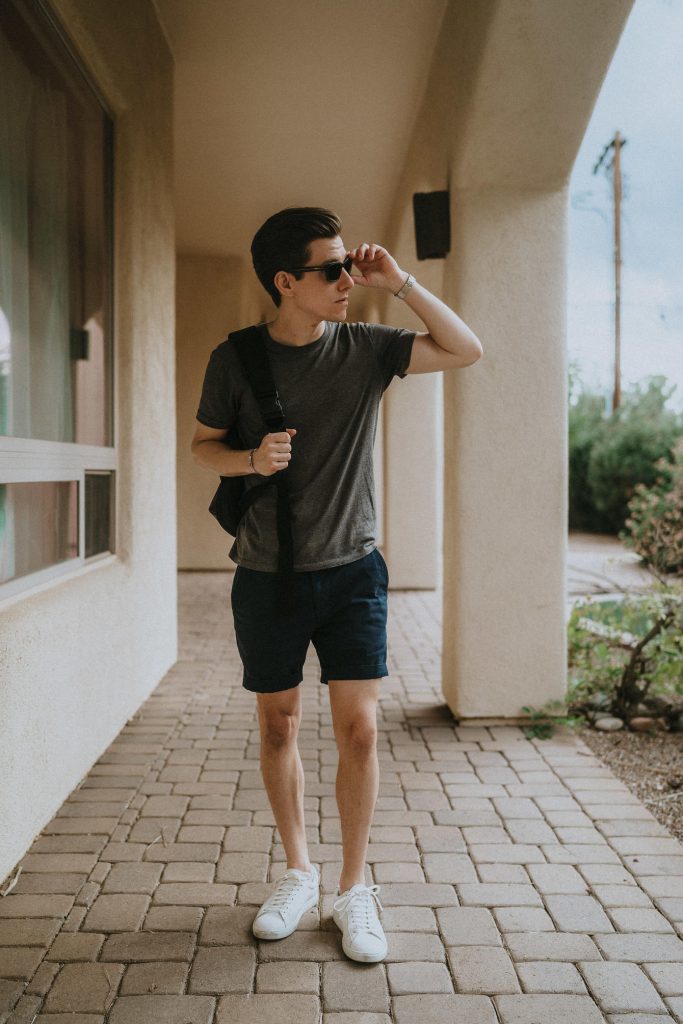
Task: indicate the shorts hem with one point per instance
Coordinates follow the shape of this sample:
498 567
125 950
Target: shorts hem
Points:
376 671
256 687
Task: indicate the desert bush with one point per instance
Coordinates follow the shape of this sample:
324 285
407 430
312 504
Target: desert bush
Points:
586 425
654 527
626 657
611 453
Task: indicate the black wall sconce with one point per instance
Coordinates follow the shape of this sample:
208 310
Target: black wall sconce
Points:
432 225
79 338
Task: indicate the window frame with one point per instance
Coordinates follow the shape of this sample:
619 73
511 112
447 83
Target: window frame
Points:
28 460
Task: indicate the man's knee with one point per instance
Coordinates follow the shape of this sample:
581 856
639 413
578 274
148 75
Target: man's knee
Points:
358 736
279 718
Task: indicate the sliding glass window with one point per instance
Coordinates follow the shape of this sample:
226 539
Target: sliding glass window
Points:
57 452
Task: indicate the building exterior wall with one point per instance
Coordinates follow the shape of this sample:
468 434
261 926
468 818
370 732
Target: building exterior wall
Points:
509 94
81 653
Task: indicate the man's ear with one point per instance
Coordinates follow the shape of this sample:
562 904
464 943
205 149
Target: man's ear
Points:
283 283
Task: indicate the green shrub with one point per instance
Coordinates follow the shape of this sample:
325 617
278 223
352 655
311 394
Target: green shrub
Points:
586 426
611 453
654 527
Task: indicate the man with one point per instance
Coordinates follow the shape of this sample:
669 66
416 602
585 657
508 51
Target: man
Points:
330 376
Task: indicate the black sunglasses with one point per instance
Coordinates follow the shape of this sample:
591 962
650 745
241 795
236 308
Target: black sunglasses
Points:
332 271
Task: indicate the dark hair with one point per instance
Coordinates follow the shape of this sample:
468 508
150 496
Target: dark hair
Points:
282 242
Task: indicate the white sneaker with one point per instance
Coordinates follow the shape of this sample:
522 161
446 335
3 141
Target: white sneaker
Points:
355 913
295 893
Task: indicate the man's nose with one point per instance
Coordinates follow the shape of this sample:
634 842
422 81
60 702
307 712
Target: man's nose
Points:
346 281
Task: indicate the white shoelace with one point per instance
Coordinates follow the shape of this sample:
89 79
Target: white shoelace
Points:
284 892
360 904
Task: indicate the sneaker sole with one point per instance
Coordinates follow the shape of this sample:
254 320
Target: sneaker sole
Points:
365 958
283 935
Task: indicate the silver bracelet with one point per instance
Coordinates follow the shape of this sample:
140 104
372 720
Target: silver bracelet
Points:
251 460
405 287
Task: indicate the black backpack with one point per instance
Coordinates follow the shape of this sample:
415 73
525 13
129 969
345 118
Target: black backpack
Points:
233 497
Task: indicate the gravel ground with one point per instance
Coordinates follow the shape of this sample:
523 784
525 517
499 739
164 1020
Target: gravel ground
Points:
650 765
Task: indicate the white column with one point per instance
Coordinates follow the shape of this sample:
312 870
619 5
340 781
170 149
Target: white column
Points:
505 510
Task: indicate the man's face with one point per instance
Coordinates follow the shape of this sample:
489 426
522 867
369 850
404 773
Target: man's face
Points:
326 300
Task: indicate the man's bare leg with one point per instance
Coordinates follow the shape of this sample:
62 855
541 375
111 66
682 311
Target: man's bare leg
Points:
354 719
282 771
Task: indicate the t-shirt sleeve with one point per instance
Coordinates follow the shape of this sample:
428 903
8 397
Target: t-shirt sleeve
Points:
218 405
393 347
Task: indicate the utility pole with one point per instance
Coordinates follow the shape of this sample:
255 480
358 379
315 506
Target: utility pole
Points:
615 145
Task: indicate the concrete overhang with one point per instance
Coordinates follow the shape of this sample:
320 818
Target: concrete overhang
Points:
306 103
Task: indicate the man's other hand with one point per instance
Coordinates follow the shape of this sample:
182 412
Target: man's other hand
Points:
274 452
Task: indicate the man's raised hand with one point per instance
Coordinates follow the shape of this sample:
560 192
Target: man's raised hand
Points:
376 268
274 452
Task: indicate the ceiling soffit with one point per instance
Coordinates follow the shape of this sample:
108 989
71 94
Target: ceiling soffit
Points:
310 102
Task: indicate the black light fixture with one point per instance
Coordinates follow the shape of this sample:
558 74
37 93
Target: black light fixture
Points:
432 225
79 338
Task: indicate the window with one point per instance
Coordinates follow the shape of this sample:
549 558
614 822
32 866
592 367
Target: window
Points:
57 454
43 519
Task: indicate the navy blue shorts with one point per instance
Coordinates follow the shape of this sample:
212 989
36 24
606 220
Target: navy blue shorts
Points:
343 610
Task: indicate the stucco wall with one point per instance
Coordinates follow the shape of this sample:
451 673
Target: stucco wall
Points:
505 422
79 655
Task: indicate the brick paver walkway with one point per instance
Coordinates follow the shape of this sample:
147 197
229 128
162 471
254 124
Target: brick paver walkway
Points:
521 881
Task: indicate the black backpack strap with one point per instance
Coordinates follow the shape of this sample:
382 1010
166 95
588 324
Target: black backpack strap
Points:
254 358
251 350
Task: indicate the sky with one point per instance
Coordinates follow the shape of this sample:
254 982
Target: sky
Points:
642 98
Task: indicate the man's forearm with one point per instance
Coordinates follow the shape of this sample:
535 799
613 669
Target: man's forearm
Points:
222 459
377 268
446 328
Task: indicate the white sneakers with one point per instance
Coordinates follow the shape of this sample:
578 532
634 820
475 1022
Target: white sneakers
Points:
295 893
355 913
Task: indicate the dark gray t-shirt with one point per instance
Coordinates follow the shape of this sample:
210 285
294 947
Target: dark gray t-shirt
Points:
330 390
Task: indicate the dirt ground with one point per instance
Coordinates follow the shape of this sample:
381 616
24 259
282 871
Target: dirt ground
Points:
650 765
